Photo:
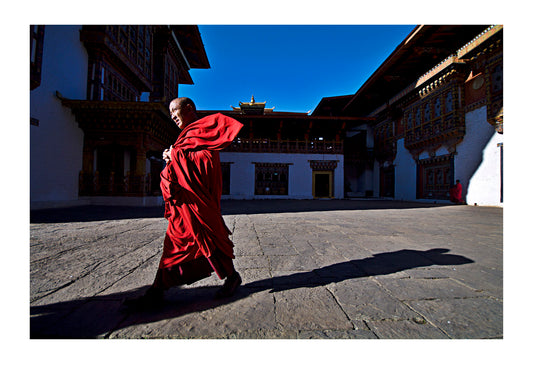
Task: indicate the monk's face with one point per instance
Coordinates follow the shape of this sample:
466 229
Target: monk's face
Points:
182 115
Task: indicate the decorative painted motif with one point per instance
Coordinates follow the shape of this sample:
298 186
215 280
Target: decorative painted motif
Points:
323 164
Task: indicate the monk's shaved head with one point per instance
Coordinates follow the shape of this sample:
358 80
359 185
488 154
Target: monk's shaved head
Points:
177 103
182 111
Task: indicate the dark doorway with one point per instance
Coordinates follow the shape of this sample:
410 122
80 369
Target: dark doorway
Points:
322 184
386 187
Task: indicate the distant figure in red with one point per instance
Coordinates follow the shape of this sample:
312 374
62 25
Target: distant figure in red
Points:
456 193
197 239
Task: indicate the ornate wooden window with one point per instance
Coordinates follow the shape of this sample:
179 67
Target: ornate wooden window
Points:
36 54
147 51
106 84
434 177
437 108
132 50
116 88
123 37
171 78
136 42
427 112
497 78
410 121
399 128
449 102
271 178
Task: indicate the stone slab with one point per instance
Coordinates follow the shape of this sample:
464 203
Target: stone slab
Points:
465 318
365 299
310 309
427 289
405 329
310 269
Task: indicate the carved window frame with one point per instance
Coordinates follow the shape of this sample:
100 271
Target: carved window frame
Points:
271 178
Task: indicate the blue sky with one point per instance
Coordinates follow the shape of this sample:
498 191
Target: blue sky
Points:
291 67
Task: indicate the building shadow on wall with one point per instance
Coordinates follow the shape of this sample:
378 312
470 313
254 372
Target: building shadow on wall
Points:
94 213
100 316
229 207
245 207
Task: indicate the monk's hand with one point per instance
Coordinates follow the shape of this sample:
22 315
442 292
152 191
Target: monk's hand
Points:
166 155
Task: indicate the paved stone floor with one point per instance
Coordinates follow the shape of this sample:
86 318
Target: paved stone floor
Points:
357 269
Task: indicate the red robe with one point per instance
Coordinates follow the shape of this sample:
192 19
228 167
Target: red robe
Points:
192 186
456 193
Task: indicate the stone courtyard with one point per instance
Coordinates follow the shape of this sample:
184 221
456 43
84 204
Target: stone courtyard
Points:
336 269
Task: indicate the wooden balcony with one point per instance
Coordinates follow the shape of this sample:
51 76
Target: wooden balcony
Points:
96 184
286 146
434 134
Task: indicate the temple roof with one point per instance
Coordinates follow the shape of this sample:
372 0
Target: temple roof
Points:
424 48
190 41
252 107
332 105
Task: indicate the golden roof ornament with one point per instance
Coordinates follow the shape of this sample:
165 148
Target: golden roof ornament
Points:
252 107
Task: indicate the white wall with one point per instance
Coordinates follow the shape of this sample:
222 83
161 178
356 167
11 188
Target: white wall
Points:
242 174
405 173
477 163
56 144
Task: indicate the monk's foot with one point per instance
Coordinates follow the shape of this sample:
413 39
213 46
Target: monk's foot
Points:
230 286
152 299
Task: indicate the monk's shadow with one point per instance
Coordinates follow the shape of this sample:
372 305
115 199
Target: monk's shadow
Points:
378 264
100 316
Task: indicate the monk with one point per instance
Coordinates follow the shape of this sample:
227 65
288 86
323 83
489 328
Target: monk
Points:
456 192
197 240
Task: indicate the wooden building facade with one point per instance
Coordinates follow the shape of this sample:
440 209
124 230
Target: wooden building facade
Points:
284 154
437 105
432 113
110 99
